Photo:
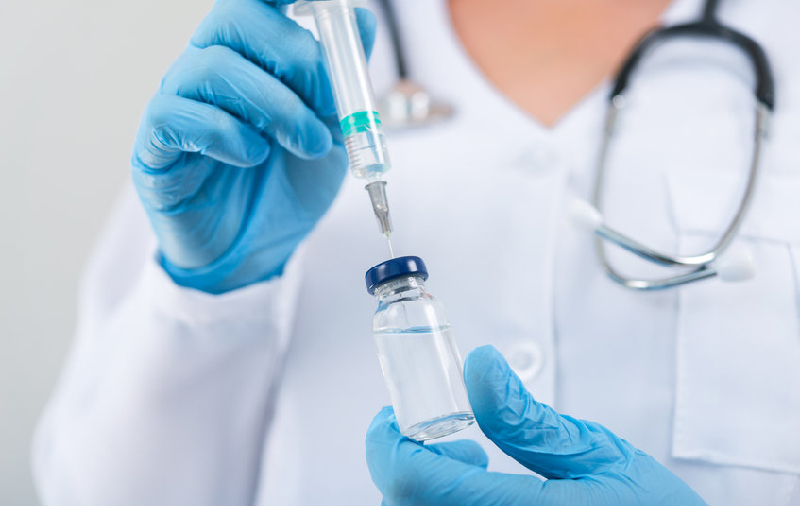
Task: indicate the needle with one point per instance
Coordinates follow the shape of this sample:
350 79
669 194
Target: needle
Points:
389 242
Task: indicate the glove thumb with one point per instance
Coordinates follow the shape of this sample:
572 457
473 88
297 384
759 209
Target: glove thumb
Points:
550 444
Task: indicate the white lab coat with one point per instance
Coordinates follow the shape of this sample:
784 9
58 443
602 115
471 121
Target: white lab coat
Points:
262 396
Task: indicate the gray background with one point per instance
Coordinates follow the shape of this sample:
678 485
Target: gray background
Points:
75 78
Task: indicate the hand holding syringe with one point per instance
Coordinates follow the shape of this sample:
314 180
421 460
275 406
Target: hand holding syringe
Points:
355 100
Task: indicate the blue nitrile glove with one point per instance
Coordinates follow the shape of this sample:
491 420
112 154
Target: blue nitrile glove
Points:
240 152
584 463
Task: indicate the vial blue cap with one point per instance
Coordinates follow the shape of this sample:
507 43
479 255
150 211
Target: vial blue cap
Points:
395 268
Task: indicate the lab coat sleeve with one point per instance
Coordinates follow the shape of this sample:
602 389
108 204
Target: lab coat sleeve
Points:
167 395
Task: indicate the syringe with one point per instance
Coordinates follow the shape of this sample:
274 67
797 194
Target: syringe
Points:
355 101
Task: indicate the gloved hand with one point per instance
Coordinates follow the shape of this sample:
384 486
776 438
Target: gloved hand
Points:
240 153
584 463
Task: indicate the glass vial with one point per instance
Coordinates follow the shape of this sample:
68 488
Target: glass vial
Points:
420 361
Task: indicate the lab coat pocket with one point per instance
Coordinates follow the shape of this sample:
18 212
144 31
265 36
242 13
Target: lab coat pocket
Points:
738 344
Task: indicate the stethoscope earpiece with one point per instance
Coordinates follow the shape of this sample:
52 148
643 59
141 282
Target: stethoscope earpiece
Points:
584 215
736 265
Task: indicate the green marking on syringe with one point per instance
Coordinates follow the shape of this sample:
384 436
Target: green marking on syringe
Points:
359 122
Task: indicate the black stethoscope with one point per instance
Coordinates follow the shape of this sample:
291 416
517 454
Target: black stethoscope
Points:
409 105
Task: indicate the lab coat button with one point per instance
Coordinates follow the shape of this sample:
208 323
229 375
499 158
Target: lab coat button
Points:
526 359
538 159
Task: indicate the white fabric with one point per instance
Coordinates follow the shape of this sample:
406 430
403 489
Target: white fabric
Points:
758 352
171 397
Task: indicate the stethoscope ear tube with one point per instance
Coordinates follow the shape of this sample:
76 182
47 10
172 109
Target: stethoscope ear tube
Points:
730 267
703 264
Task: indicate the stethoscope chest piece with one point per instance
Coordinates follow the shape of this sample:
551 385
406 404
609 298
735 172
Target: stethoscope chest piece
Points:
408 105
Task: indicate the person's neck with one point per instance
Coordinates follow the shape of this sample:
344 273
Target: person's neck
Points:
546 55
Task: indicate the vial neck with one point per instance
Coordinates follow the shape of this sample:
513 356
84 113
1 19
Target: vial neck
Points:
407 286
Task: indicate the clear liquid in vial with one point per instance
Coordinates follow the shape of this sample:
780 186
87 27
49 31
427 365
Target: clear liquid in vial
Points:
425 379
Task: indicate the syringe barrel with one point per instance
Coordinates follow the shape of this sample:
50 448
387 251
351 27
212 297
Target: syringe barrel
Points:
346 63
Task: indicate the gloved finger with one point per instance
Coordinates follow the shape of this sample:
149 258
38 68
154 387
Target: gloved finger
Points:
408 473
173 126
262 34
367 26
221 77
553 445
466 451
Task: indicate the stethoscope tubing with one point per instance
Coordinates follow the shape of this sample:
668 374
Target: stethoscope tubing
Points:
701 265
